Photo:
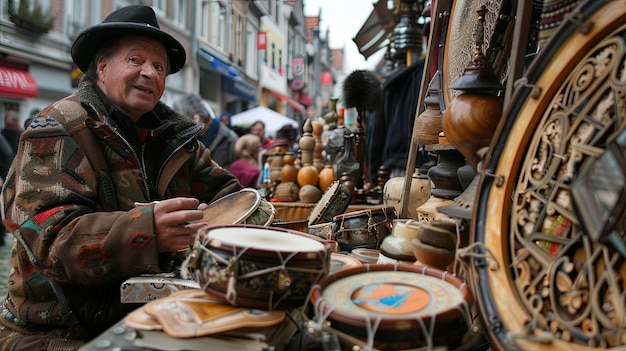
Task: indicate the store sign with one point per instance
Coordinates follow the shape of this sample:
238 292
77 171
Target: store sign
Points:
298 66
261 40
297 84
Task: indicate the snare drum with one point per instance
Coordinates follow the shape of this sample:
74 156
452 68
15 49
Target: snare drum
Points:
246 206
259 267
393 306
364 228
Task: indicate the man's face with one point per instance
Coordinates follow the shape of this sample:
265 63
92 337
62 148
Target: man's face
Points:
133 77
258 129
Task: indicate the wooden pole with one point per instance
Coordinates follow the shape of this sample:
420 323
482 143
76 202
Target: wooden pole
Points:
524 14
410 164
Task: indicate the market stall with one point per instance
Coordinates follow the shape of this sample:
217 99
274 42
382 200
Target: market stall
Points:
519 245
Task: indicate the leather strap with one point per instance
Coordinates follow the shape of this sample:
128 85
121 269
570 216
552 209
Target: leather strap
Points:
69 316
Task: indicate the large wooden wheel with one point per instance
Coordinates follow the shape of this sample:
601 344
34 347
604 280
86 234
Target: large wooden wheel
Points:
542 280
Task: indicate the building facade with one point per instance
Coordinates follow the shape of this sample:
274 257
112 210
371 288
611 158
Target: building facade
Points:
240 54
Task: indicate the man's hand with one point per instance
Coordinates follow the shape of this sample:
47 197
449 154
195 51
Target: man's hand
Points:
171 223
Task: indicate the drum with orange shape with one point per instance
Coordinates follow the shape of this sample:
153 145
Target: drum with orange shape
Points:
392 307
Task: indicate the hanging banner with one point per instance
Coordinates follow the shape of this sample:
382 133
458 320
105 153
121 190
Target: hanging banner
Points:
261 40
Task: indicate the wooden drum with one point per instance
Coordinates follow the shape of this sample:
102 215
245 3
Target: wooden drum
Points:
393 306
255 266
363 228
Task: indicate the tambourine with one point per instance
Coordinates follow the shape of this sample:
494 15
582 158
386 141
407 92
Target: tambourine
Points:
333 202
255 266
549 224
246 206
392 306
363 228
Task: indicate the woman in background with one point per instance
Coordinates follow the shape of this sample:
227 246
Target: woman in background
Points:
246 168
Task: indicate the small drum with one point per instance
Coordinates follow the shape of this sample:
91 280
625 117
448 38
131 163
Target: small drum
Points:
364 228
335 201
258 267
393 306
246 206
339 261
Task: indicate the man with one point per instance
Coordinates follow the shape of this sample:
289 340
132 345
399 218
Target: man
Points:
216 136
103 187
12 129
258 128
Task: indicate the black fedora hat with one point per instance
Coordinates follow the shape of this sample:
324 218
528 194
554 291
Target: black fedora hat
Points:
129 20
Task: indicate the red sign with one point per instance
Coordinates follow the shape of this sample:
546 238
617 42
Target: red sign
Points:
326 78
261 40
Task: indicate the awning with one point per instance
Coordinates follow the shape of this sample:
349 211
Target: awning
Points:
235 82
240 88
296 105
377 28
15 83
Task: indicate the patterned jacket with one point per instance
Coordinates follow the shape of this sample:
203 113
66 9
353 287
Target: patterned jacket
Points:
69 200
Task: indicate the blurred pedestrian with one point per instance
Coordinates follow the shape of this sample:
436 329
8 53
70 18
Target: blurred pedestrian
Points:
216 136
290 134
225 118
12 129
258 128
246 168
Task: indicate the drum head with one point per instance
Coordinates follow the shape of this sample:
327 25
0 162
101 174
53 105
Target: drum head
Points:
260 239
548 277
234 208
394 301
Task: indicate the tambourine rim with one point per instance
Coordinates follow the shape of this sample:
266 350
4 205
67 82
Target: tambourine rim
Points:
452 313
493 200
243 217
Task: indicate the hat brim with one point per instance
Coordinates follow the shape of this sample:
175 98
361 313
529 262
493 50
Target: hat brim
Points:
91 40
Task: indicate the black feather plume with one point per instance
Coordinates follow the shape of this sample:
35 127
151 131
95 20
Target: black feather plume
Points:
362 90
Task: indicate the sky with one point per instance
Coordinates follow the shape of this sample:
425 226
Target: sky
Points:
344 18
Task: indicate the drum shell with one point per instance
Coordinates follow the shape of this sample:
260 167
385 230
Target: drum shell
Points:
363 229
267 290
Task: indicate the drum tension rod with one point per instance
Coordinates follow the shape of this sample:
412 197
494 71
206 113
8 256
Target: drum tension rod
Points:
499 178
523 82
579 20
